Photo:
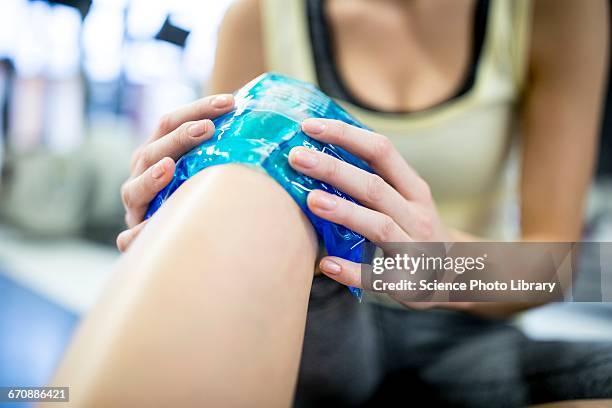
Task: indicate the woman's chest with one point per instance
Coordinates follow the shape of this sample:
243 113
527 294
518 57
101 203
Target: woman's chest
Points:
399 58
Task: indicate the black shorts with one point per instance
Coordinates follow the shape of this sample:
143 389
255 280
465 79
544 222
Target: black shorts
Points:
366 354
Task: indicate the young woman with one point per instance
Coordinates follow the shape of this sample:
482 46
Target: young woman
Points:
450 86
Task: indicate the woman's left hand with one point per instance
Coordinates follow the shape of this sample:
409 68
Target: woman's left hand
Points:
396 203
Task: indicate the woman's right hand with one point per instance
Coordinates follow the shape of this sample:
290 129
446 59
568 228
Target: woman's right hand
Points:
152 165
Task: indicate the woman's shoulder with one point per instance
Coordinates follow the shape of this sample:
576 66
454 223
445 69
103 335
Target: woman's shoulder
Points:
239 56
243 13
563 30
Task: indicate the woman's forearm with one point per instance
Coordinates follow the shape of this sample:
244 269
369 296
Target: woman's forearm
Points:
498 309
207 307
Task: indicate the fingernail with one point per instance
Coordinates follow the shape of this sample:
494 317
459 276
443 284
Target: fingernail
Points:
220 101
330 267
123 239
158 170
324 202
198 129
304 157
313 126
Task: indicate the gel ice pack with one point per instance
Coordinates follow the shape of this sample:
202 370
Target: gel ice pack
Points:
260 132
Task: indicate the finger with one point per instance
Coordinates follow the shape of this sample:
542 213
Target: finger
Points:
373 225
209 107
367 188
137 193
127 237
342 271
175 144
375 149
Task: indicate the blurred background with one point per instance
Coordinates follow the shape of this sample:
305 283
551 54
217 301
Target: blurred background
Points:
82 82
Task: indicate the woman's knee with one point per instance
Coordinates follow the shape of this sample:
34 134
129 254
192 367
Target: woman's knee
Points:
235 195
232 213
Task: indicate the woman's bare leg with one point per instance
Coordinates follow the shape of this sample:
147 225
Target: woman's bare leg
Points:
207 307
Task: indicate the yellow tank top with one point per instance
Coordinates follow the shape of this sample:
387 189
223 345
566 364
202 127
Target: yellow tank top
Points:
462 147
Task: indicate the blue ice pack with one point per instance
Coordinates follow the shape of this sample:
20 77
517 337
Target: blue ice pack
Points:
260 132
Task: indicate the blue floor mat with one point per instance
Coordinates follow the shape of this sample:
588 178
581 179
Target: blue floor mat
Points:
34 333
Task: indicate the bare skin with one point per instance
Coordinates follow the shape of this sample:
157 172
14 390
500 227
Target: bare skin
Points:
425 46
424 64
559 113
203 307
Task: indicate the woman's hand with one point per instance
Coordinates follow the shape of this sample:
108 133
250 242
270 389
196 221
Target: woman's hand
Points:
153 163
396 205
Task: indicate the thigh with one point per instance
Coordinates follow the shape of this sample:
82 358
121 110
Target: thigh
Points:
557 371
452 359
209 301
